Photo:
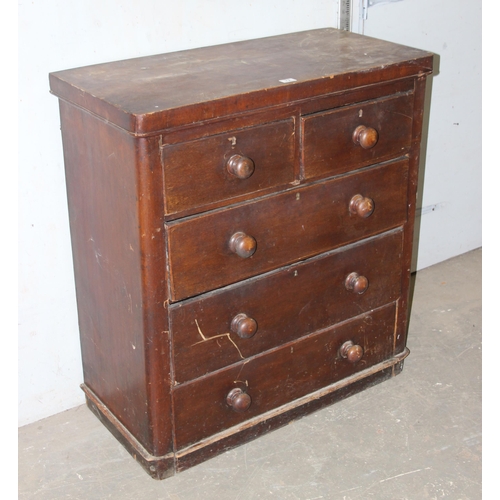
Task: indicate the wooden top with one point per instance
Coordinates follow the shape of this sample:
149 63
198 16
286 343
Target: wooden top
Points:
147 94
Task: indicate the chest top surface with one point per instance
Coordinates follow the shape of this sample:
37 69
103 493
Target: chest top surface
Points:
148 94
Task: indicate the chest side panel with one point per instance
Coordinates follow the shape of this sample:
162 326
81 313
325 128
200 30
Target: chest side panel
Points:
114 298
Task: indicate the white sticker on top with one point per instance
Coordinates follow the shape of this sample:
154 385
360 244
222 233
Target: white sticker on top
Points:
288 80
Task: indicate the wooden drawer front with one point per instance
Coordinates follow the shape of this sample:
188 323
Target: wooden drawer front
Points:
280 376
222 328
328 145
196 172
285 228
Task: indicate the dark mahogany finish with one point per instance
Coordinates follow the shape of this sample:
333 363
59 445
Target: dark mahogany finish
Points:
361 205
238 400
242 245
366 137
340 140
223 166
258 236
305 297
293 364
356 283
241 221
243 326
241 167
350 351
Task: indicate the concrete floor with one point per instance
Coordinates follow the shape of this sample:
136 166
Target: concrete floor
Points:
417 436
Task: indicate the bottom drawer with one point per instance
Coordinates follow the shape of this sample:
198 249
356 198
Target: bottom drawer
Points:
231 396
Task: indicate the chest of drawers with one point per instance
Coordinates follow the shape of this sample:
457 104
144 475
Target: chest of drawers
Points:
241 220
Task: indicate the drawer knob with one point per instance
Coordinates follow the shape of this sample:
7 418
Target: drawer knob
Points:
361 205
351 351
241 167
366 137
244 326
242 244
238 400
356 283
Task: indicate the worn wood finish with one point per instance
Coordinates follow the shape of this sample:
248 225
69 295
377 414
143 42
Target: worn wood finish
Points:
301 367
158 466
287 227
306 297
332 139
203 83
198 173
317 400
403 317
241 222
116 243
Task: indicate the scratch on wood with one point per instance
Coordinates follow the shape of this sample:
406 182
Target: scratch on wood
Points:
205 339
239 373
241 382
402 114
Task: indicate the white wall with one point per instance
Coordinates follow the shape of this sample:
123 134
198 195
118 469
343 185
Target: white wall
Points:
452 175
61 34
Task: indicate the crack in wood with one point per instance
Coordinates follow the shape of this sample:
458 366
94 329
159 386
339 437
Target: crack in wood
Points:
206 339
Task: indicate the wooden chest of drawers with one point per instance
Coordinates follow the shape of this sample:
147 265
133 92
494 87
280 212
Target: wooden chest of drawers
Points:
242 221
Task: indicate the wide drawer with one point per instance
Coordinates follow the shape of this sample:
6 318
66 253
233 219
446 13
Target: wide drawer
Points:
240 321
202 407
341 140
225 166
212 250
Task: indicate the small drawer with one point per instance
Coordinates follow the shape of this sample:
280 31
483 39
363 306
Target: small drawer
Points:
345 139
226 166
226 246
238 322
231 396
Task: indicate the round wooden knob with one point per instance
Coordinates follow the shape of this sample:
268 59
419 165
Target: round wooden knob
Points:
361 205
238 400
241 167
244 326
366 137
242 244
350 351
356 283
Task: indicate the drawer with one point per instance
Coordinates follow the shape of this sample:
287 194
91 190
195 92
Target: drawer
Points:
225 166
278 377
340 140
238 322
226 246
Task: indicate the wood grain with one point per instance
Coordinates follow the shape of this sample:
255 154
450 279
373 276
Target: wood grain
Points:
288 227
286 305
241 221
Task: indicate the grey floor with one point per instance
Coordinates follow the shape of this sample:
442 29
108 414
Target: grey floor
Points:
417 436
